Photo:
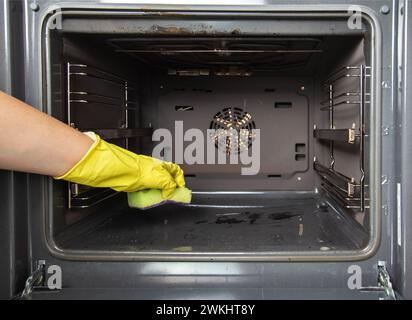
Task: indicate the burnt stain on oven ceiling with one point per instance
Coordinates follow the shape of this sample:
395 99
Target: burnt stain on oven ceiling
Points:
198 29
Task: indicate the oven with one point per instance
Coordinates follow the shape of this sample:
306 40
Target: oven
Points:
318 196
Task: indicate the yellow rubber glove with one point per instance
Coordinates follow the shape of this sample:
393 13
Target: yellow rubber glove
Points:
110 166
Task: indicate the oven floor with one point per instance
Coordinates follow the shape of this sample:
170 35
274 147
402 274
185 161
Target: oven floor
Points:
219 224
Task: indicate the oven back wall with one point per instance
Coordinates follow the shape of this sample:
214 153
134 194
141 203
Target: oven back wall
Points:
279 108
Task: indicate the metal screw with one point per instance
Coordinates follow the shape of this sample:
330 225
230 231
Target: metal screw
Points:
302 88
34 6
385 9
323 206
385 209
386 84
299 178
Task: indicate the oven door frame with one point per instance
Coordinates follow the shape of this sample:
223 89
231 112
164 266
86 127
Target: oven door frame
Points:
53 14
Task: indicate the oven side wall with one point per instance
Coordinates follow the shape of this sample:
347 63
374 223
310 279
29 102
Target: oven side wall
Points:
14 247
403 132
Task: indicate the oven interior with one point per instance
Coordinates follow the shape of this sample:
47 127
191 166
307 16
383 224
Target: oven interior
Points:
308 96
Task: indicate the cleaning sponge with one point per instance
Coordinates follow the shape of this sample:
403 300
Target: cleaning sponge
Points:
146 199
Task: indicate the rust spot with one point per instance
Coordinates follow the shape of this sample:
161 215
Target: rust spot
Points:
197 29
171 30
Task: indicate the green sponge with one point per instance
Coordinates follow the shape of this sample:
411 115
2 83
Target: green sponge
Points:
146 199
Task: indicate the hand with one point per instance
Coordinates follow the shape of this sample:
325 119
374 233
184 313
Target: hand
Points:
157 174
110 166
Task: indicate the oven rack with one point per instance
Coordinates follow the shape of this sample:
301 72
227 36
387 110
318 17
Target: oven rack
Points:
345 190
85 85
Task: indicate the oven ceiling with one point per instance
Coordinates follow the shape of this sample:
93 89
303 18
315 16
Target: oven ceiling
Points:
221 54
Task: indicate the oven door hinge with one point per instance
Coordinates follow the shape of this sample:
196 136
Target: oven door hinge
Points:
384 280
37 279
384 283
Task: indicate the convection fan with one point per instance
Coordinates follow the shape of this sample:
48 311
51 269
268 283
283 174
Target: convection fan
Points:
233 130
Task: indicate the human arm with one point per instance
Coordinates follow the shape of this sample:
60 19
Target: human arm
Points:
34 142
31 141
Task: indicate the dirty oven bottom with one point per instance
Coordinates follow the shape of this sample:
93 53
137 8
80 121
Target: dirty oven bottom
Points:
220 223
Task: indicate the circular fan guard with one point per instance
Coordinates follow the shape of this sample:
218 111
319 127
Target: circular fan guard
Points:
235 127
